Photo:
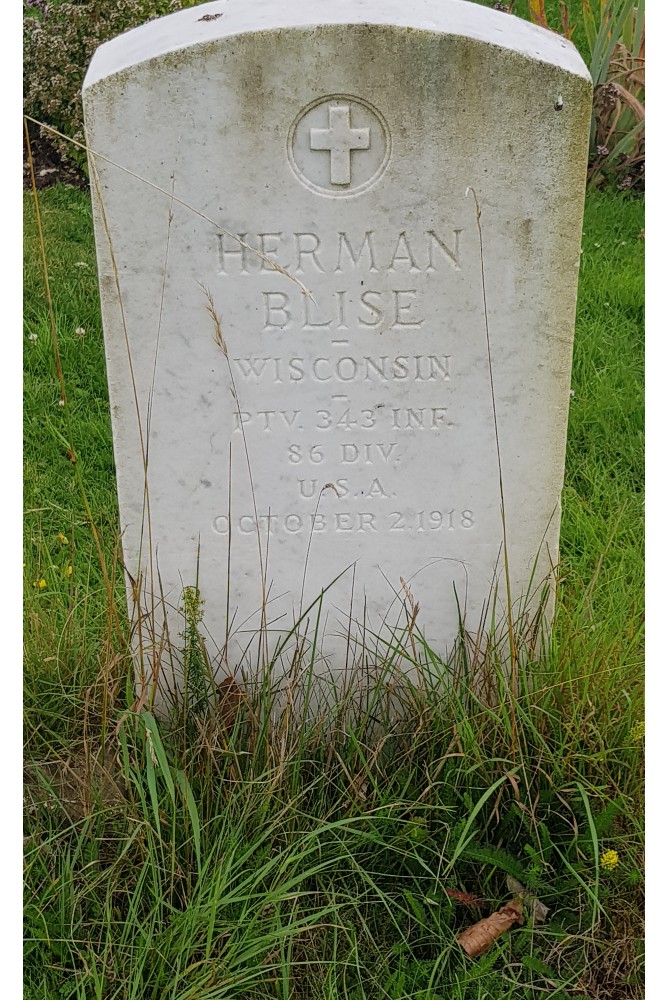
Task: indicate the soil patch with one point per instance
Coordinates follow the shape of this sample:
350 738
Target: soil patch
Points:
49 167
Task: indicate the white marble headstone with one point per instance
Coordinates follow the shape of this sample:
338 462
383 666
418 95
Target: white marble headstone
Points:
246 153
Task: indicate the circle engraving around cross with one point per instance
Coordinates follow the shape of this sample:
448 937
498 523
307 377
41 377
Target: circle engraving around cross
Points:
339 145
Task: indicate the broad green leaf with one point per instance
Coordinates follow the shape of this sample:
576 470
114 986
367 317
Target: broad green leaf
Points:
155 741
184 786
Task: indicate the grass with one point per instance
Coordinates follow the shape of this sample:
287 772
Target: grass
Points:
220 858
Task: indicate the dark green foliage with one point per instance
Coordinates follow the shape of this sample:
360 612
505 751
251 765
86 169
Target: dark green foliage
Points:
497 858
59 39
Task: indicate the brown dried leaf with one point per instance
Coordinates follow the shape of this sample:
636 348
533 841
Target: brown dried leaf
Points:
230 702
466 898
632 102
537 12
477 939
567 28
538 910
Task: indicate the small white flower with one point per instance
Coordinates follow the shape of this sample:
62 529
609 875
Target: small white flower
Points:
80 263
61 402
32 336
80 331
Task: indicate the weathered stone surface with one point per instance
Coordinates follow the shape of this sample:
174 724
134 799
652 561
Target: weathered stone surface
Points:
348 432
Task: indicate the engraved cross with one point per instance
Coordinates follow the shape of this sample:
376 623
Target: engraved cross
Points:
340 140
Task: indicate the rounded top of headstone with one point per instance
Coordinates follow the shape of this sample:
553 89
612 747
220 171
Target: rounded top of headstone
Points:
227 18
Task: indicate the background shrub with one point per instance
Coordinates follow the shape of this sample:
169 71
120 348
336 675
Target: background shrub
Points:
59 40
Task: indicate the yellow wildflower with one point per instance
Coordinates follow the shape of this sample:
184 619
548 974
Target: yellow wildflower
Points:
193 606
62 539
609 860
69 570
41 583
637 732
